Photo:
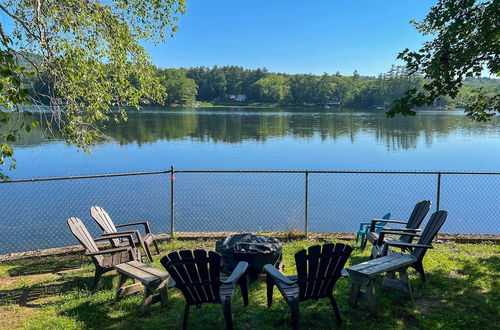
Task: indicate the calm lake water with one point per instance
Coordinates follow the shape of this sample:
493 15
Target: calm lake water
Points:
280 139
33 214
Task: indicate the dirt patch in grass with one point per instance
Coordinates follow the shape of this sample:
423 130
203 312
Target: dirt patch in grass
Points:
13 316
424 306
11 282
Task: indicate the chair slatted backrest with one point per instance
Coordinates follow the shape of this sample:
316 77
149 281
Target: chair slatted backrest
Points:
196 273
83 236
417 216
430 231
104 221
319 268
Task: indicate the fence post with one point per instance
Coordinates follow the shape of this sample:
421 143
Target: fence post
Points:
306 205
172 177
438 195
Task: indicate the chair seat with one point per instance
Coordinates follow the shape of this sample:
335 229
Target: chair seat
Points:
378 249
120 258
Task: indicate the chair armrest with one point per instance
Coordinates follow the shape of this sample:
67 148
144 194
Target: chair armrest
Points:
128 232
144 223
390 221
240 269
271 271
374 222
409 245
397 232
381 236
403 229
120 249
116 235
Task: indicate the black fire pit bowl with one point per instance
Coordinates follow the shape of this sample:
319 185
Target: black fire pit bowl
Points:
257 250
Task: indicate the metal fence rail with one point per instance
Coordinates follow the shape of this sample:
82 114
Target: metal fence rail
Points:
34 211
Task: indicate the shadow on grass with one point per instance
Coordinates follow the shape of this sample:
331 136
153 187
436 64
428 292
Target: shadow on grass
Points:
47 265
26 295
464 295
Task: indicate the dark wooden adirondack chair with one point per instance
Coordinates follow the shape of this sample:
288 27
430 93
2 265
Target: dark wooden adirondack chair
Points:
418 250
318 269
108 227
106 259
412 225
197 274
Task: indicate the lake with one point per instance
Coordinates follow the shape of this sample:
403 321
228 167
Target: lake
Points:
34 213
235 138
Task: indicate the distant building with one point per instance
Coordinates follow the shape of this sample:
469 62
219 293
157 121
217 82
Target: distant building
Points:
240 98
236 98
335 101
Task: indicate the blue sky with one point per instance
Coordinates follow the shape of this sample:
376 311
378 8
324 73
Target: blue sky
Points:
294 36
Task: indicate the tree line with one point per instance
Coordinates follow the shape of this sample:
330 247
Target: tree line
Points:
220 85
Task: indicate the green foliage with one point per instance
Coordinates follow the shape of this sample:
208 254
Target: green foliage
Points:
12 93
273 88
466 43
86 58
179 89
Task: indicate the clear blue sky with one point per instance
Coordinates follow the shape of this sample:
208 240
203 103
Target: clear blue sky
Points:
294 36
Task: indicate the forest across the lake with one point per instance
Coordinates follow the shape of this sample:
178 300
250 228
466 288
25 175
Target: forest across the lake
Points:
235 85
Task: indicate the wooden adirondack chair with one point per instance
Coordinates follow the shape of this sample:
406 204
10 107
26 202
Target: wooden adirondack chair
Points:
108 227
391 262
318 269
418 250
104 260
412 225
197 274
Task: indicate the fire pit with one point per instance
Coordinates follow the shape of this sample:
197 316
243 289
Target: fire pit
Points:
257 250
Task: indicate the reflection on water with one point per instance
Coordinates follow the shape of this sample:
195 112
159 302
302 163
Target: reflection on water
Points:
236 126
252 138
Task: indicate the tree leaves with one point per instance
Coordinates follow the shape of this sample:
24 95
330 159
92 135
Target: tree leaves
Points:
466 43
86 53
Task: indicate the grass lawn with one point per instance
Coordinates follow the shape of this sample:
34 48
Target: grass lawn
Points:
463 291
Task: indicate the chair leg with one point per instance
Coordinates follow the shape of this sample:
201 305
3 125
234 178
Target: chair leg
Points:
97 276
243 282
357 236
420 269
354 294
294 309
156 247
148 253
403 275
226 309
186 316
363 242
338 319
270 286
372 298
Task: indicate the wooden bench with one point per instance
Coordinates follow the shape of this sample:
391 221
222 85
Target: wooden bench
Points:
363 275
153 279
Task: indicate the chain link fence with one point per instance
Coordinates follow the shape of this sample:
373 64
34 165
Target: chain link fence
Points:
34 211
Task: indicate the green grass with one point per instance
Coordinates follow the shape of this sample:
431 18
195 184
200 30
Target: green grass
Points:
462 292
